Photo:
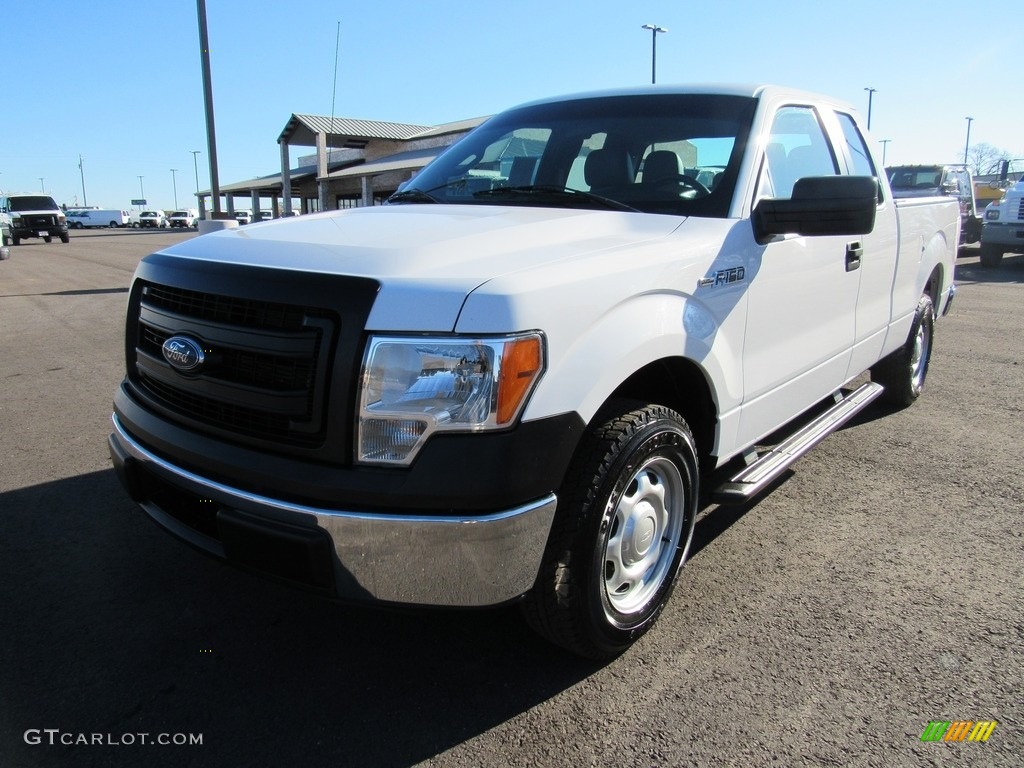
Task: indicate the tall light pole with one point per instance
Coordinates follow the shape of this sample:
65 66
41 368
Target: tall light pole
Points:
81 170
174 183
871 92
211 131
655 29
41 187
195 165
142 192
967 145
885 146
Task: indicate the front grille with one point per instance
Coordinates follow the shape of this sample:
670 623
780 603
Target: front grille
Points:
40 221
265 374
1020 210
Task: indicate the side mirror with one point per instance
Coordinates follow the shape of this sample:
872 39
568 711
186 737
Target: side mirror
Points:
820 205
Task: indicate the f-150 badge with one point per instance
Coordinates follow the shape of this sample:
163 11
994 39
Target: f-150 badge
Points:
723 277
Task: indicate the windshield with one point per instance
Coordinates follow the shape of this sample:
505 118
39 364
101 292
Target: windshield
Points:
664 153
33 203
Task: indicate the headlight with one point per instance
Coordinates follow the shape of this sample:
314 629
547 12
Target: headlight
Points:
992 214
411 388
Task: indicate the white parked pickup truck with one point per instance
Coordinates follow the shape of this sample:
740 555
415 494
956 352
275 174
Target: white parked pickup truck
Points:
513 382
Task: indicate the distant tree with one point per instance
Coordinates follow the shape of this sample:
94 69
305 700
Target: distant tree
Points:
984 158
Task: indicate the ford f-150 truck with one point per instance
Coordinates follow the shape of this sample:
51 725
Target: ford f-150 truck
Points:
521 378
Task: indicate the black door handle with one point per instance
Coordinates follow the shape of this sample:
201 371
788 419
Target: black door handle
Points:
854 252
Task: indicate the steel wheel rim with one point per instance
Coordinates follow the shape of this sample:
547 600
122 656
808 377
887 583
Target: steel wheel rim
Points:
644 532
919 356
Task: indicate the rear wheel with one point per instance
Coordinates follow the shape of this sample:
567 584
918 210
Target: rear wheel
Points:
903 372
47 239
622 530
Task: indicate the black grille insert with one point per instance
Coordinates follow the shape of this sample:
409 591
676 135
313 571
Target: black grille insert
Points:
266 368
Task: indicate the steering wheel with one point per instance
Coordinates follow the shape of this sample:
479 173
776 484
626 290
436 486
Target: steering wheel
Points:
684 179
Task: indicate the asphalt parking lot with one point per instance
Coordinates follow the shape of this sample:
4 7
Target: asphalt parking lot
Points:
876 589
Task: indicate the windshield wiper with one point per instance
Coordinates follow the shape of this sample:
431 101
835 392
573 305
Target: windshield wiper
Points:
556 193
413 195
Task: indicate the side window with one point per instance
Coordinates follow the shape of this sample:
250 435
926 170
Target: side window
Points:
797 147
860 159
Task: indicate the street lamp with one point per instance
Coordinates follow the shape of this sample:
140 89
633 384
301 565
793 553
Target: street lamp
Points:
871 92
655 29
142 192
174 183
195 165
81 170
41 187
967 145
885 146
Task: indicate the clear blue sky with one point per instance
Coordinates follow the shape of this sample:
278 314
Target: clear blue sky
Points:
120 84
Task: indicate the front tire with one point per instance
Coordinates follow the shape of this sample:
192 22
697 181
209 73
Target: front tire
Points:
903 372
65 237
621 532
991 255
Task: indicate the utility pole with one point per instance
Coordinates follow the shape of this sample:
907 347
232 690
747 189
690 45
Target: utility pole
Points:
967 146
211 131
81 170
174 183
871 92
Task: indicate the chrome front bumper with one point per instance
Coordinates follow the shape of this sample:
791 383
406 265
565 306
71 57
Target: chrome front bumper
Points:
396 558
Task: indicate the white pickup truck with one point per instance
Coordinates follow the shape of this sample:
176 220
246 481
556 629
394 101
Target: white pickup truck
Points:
520 379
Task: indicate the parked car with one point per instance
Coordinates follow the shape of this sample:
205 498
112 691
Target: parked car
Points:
1004 226
76 218
153 219
266 215
509 383
33 215
187 217
98 217
243 216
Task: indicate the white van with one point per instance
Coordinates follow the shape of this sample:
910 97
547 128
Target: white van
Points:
187 217
100 218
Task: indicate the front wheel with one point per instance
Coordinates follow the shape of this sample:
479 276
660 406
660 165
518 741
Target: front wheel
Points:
990 255
621 532
65 237
903 372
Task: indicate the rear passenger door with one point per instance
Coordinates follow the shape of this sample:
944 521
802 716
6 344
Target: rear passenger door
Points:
802 295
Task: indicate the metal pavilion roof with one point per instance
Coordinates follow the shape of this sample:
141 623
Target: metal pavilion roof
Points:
302 130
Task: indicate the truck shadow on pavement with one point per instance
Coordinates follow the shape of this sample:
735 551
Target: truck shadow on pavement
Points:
112 627
1010 270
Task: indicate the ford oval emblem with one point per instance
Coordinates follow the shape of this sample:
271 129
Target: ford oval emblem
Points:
184 354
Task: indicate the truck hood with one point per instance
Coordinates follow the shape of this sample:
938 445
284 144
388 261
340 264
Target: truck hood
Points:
432 255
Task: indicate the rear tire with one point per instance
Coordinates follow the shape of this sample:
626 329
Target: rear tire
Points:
47 239
621 532
903 372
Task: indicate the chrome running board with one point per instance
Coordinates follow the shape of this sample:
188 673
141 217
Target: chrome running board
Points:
760 473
